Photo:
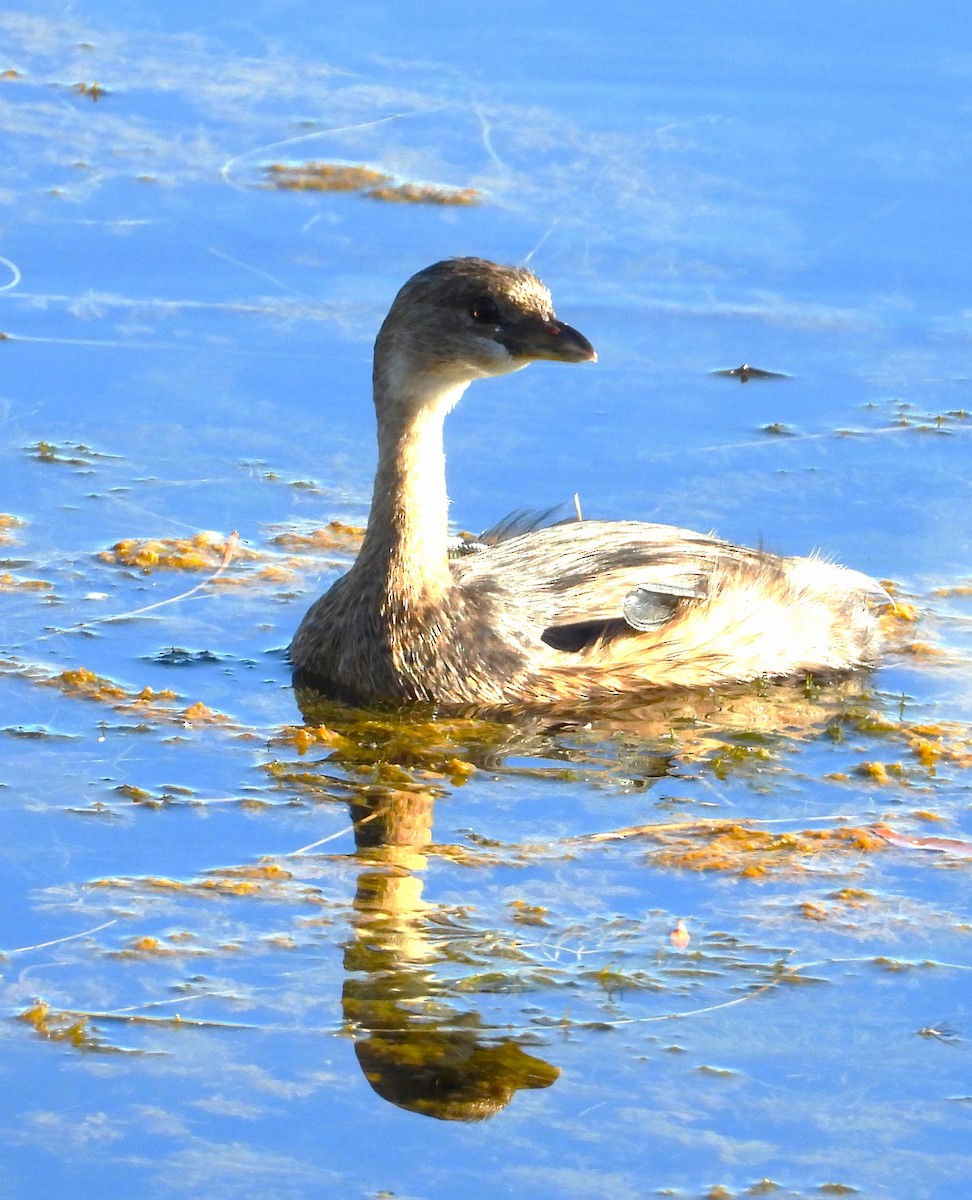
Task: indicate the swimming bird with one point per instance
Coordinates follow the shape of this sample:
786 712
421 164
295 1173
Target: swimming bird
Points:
581 613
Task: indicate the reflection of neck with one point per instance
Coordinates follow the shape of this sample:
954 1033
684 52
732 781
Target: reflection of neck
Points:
394 820
392 835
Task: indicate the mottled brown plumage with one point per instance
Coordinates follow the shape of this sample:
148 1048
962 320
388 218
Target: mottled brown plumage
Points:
577 613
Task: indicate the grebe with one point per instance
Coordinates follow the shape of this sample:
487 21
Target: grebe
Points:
578 613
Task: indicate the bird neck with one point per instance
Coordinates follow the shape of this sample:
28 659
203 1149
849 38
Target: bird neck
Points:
406 542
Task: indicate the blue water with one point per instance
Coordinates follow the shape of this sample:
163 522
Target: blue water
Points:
700 187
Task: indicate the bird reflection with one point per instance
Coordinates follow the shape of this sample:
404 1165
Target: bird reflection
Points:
415 1049
416 1046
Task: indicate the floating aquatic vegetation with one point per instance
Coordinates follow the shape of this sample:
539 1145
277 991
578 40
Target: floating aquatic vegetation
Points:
930 744
258 469
266 880
464 856
324 177
205 551
958 589
13 583
275 573
732 758
56 1026
375 185
169 795
902 610
146 704
749 735
335 535
752 852
87 685
387 745
94 91
883 773
836 903
9 524
176 945
926 650
529 914
65 454
35 733
909 416
413 737
143 797
426 193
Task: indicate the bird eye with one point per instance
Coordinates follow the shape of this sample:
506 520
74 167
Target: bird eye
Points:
484 311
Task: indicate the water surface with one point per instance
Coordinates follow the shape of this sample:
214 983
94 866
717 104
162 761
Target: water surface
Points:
250 948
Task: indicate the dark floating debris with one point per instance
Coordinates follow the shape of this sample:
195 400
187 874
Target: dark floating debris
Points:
745 372
176 656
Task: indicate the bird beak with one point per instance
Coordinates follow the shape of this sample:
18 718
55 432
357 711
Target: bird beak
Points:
534 338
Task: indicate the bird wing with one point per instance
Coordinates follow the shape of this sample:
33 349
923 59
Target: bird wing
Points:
587 573
598 608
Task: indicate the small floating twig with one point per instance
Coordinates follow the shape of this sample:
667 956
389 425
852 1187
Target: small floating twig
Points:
953 846
330 837
647 830
58 941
